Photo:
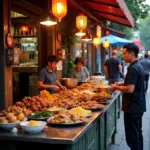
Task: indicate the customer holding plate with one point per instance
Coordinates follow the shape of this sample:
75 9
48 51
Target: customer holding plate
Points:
80 71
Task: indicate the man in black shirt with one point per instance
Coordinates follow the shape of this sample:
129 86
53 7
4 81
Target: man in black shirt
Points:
133 104
112 68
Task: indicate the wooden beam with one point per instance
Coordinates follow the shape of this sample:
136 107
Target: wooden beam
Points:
27 6
108 13
24 12
102 2
86 10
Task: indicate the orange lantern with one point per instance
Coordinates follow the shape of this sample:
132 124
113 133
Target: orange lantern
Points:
24 28
96 41
106 43
98 31
81 22
59 8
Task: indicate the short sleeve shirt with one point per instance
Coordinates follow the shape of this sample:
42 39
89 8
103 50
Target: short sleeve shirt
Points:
112 67
48 78
83 74
134 102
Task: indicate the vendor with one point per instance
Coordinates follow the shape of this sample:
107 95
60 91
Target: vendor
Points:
47 77
80 71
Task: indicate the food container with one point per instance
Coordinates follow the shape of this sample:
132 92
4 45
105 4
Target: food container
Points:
33 129
70 82
9 126
97 79
103 89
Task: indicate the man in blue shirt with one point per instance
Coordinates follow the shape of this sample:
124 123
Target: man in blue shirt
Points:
133 103
146 65
47 77
113 68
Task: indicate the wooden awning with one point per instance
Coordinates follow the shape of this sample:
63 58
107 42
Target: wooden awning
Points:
111 10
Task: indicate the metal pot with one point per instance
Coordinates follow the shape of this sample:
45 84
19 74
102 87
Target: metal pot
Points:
70 82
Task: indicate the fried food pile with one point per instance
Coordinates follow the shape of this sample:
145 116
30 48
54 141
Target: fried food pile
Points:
66 117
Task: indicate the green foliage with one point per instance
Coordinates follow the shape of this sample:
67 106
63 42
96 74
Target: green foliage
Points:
120 54
145 33
139 10
68 42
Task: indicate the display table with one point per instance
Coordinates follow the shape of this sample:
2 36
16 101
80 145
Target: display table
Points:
96 134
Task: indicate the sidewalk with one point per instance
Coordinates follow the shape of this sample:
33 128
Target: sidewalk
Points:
120 136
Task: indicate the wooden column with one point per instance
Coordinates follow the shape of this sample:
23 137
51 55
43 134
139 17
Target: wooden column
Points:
5 71
94 49
103 54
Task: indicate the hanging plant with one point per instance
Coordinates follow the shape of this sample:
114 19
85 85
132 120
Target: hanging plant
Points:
68 42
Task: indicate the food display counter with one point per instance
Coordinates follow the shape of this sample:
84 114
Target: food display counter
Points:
95 134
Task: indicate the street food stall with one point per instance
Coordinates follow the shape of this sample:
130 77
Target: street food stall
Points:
81 118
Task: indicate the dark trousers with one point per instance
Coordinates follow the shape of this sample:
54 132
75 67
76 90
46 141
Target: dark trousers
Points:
133 130
146 82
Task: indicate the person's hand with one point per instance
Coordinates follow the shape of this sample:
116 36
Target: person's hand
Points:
55 87
118 83
113 87
63 87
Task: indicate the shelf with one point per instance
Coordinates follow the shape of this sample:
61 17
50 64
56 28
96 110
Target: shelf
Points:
28 43
24 36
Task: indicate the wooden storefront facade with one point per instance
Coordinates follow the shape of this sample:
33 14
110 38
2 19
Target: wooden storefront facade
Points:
48 36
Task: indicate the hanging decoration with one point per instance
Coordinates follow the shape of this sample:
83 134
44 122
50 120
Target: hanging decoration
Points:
87 37
96 41
80 34
107 32
59 8
81 22
48 20
106 43
98 31
24 28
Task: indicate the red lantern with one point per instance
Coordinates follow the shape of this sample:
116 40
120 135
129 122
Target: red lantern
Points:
24 29
107 32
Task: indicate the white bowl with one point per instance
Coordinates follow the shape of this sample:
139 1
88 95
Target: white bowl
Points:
10 126
33 129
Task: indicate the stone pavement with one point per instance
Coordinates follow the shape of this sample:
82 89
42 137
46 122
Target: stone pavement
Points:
120 143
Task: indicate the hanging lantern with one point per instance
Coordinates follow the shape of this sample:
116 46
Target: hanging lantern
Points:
98 31
81 22
87 37
24 28
59 8
96 41
107 32
106 43
48 20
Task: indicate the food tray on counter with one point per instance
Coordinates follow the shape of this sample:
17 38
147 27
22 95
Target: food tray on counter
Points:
65 124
